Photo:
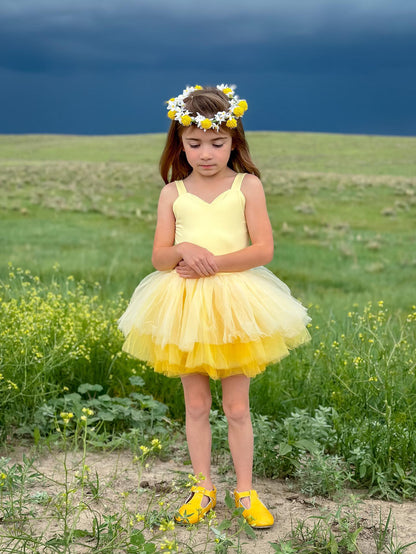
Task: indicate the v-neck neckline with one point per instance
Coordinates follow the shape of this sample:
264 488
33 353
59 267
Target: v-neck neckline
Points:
216 197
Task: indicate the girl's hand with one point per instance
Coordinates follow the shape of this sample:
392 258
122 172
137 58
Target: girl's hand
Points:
196 261
184 271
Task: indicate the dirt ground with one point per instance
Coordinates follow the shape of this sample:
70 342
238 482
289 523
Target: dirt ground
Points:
119 475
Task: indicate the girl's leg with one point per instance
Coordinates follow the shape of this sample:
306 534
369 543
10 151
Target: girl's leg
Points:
198 431
235 398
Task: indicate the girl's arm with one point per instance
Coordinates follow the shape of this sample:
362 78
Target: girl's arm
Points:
260 251
166 255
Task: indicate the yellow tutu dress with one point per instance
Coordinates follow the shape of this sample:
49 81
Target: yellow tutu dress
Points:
226 324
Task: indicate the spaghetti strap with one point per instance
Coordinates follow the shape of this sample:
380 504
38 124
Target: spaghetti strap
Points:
237 181
180 187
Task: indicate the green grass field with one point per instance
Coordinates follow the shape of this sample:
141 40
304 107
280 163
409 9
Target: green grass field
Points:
77 221
342 208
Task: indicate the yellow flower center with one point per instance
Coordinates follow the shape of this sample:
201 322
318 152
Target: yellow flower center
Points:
243 105
238 111
186 120
231 123
206 123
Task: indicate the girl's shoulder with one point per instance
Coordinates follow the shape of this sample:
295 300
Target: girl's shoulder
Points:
169 193
251 186
169 187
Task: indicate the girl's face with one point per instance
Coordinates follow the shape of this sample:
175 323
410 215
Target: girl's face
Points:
207 152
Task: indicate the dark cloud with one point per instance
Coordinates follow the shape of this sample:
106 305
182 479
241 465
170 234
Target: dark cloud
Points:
71 62
148 37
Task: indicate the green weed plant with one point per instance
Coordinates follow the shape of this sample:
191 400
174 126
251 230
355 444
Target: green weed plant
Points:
359 374
71 518
53 336
340 532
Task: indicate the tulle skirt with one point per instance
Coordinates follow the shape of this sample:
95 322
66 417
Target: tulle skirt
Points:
223 325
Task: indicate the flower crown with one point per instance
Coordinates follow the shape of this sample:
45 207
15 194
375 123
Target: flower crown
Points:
177 110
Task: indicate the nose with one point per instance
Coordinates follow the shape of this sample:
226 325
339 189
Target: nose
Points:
205 153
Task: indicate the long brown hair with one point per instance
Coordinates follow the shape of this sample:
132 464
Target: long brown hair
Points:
208 101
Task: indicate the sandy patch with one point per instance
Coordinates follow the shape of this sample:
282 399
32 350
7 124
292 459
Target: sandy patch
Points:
118 491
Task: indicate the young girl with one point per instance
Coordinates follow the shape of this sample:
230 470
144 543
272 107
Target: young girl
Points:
211 310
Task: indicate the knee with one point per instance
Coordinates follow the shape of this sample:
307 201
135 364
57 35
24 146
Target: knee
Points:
237 411
198 406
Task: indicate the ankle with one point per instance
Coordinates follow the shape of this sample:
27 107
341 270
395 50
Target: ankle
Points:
206 484
247 487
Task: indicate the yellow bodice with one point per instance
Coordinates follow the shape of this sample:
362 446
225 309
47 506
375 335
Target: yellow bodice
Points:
220 225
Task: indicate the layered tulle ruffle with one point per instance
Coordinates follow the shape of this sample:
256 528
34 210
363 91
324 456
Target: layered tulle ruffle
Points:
227 324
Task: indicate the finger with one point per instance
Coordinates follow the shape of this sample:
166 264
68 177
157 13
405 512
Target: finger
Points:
200 269
210 266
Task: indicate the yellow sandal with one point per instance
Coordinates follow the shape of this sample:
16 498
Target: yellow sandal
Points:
257 516
192 511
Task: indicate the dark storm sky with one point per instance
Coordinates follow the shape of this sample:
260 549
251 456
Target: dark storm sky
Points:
107 66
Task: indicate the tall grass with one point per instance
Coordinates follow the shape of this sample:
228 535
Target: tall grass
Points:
358 373
53 337
362 367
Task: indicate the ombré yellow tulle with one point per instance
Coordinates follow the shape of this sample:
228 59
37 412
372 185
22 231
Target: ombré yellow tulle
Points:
227 324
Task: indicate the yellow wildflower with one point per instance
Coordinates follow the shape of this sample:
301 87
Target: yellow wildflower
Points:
157 444
168 545
167 525
171 114
66 416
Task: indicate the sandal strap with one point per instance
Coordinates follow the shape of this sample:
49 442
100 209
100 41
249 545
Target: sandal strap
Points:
206 492
243 494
